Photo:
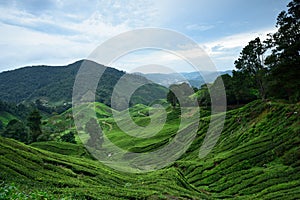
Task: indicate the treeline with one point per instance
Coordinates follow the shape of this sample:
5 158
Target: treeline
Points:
266 69
27 132
18 110
26 125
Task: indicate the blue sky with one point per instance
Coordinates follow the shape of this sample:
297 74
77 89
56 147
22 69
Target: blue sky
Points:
58 32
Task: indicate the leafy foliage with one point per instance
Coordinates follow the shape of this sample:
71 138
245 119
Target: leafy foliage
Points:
11 191
17 130
239 89
69 137
251 62
284 60
171 98
278 75
267 69
19 111
34 124
180 94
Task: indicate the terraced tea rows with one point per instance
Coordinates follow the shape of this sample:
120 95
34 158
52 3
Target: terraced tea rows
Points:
256 157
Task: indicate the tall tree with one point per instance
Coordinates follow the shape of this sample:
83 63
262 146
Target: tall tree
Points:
172 99
203 96
243 87
17 130
284 61
251 61
180 94
96 138
34 124
1 125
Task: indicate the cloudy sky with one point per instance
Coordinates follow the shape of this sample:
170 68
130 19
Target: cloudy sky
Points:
58 32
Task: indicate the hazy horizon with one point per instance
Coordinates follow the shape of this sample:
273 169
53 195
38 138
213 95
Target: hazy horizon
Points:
132 72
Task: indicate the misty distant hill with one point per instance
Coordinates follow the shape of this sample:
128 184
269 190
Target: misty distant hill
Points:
195 79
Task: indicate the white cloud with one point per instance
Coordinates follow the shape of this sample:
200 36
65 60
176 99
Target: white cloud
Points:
64 31
174 61
20 46
236 40
96 29
222 52
197 27
225 51
151 57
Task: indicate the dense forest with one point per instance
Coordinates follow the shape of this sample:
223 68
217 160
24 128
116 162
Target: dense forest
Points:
51 87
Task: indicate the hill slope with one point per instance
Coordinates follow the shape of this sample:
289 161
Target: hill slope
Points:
81 178
256 157
54 85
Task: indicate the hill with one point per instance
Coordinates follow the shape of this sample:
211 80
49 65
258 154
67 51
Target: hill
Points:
195 79
9 111
256 157
52 176
53 85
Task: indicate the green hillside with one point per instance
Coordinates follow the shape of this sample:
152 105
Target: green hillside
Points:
64 148
53 85
57 125
57 175
256 157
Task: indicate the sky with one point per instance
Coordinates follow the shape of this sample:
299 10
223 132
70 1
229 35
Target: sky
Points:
59 32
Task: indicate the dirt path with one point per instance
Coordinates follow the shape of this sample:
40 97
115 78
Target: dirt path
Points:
110 126
142 114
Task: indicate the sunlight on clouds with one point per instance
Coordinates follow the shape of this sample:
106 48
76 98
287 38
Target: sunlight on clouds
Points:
225 50
222 52
237 40
154 57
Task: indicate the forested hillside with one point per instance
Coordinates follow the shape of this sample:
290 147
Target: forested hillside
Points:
49 86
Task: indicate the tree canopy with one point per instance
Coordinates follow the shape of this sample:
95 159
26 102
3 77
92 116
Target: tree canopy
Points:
17 130
34 124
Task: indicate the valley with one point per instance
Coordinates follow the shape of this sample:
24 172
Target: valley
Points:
253 158
87 131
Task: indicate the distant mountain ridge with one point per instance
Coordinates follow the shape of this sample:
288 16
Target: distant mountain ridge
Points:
195 79
53 85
